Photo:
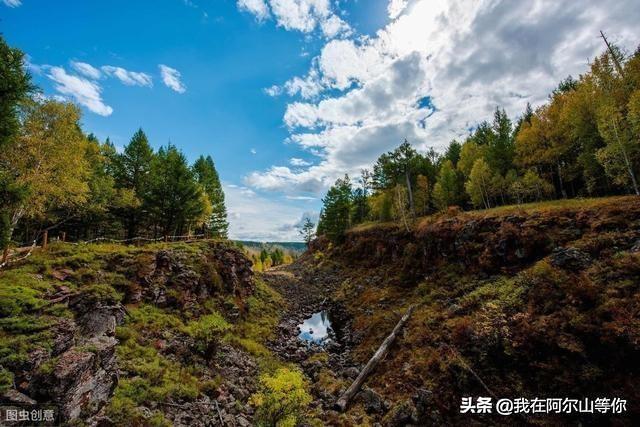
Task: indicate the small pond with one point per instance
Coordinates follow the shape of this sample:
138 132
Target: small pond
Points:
316 329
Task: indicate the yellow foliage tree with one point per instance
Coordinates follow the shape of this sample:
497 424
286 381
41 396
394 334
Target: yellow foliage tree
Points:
49 160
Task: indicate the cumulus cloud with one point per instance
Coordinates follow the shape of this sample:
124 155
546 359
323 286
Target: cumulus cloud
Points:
83 91
253 217
396 7
433 72
12 3
300 15
129 78
86 70
294 161
274 90
171 78
257 7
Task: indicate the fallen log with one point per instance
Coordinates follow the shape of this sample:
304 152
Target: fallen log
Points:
380 354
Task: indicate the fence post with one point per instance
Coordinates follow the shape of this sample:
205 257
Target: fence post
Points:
64 236
45 239
166 238
5 255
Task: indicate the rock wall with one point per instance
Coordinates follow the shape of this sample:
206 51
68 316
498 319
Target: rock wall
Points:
79 371
490 243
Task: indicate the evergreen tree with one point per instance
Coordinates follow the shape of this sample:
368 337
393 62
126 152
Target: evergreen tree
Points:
360 206
501 147
175 200
264 255
453 152
307 231
524 119
94 218
207 176
400 166
335 215
132 171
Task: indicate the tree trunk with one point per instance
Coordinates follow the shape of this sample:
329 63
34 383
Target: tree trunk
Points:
563 193
380 354
626 160
413 211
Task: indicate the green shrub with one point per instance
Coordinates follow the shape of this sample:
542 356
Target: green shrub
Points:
6 380
207 331
99 293
282 400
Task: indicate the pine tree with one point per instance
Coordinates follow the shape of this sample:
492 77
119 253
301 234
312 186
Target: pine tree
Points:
453 152
501 148
175 200
132 169
335 215
399 166
360 206
208 177
307 231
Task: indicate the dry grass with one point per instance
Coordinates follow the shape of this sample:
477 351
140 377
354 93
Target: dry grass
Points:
545 207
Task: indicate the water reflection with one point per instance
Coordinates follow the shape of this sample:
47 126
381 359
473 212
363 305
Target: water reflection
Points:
316 328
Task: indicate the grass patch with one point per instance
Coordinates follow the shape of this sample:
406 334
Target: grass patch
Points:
259 325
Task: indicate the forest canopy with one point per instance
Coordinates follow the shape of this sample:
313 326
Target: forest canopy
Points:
56 177
584 142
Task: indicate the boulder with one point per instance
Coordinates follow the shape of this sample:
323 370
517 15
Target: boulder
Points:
101 321
81 379
63 334
372 401
401 415
426 410
14 397
570 259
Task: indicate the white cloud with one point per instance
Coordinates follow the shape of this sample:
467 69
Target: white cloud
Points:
396 7
31 67
274 90
300 15
294 161
308 87
334 26
86 70
306 198
253 151
253 217
257 7
83 91
466 57
12 3
171 78
129 78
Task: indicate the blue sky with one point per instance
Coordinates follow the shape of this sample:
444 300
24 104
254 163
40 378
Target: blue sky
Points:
287 95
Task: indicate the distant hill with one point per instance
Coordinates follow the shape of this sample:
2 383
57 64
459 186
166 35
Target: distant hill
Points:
296 247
